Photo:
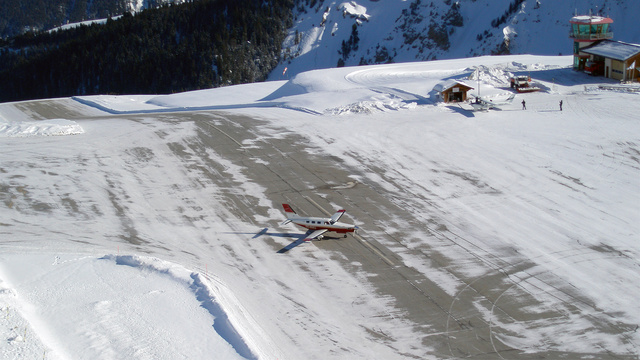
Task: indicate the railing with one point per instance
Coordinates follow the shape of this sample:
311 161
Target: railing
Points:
596 36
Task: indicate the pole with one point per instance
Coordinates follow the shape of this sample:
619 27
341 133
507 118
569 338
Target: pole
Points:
478 78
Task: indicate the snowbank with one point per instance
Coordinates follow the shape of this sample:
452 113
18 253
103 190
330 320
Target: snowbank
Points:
53 127
340 90
111 307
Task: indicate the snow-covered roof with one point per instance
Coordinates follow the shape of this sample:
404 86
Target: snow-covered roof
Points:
446 85
590 19
616 50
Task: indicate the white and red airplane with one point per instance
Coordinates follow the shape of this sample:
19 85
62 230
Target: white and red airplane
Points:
318 226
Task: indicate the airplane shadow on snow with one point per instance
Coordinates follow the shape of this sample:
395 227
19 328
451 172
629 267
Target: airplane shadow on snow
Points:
299 238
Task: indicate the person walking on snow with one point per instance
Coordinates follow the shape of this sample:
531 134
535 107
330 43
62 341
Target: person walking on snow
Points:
524 105
560 105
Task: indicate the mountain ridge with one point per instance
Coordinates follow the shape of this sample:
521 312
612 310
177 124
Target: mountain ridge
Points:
420 30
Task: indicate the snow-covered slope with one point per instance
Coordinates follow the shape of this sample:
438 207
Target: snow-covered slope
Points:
139 5
132 6
401 31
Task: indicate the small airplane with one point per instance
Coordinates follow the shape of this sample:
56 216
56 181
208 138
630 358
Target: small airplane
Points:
480 104
318 226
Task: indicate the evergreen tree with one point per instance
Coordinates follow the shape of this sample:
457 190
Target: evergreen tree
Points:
191 46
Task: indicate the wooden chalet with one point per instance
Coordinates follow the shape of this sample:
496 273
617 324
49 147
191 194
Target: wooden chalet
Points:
452 91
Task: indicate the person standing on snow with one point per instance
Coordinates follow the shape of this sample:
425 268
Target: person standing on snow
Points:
524 105
560 105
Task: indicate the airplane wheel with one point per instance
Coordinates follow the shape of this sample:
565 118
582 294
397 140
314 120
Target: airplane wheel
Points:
345 236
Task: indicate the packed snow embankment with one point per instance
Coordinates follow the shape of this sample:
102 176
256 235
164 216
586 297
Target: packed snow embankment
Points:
97 308
337 91
54 127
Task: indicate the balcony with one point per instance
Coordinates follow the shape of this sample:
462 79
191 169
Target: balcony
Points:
591 37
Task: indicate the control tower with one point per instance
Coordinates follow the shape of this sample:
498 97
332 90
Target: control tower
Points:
585 31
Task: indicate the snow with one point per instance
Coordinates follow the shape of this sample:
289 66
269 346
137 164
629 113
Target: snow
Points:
53 127
113 246
354 10
400 29
590 19
109 307
614 49
448 84
83 23
133 6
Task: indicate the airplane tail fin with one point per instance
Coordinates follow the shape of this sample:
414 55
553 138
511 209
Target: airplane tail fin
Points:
288 210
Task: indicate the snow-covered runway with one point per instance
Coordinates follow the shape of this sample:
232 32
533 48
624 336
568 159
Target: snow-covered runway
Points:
500 234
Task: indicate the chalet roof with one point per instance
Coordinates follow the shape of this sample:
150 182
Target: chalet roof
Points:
446 85
616 50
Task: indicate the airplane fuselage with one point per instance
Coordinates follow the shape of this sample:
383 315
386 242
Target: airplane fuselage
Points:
317 223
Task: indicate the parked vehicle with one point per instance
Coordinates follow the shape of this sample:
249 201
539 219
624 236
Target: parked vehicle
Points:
522 84
594 67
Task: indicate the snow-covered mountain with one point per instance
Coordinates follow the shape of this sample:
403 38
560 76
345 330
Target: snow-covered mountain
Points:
332 33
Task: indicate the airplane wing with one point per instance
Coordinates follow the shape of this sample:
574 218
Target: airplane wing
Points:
336 216
314 234
506 101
